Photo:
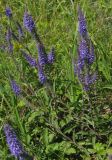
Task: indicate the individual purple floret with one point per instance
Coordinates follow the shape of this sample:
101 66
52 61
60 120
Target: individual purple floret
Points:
51 56
8 12
16 89
41 75
42 57
28 22
83 49
13 142
82 23
30 60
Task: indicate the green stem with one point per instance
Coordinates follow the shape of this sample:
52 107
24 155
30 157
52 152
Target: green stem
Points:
18 117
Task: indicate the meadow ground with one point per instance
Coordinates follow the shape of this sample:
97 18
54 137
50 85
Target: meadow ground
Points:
58 119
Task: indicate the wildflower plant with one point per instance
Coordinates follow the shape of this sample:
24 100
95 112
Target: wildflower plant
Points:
14 144
28 22
8 12
42 56
86 55
29 59
51 56
46 104
41 75
16 89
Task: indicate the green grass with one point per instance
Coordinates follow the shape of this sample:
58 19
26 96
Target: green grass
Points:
55 122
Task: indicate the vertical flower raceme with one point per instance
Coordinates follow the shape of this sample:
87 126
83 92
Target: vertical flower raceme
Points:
14 144
16 89
86 55
28 22
42 56
29 59
41 75
51 56
8 12
82 23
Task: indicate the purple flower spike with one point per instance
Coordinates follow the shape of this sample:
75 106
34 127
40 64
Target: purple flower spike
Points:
42 57
8 12
82 23
41 75
13 142
83 49
28 22
30 60
51 56
16 89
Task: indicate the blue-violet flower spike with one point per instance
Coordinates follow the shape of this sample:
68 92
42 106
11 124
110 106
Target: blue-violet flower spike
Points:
51 56
8 12
41 75
42 56
28 22
30 60
82 23
16 89
13 142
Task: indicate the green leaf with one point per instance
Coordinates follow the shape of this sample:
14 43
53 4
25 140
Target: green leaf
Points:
21 103
45 137
108 86
70 151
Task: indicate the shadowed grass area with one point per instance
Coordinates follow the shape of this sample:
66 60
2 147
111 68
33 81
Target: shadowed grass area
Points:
57 120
